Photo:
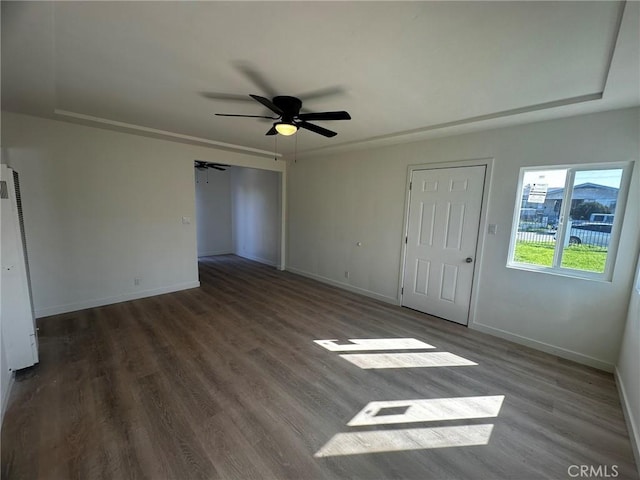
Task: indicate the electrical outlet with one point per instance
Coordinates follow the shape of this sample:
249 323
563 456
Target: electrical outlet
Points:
137 281
346 274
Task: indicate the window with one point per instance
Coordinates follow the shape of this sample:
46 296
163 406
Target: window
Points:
567 220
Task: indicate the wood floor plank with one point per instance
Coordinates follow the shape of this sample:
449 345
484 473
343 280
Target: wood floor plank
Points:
225 382
177 442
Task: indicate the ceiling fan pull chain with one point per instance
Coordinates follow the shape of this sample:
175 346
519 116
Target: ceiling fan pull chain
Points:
275 148
295 151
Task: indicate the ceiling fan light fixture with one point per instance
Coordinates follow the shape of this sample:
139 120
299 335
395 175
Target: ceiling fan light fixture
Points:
286 129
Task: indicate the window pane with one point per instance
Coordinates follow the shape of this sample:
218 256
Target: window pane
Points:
542 193
593 206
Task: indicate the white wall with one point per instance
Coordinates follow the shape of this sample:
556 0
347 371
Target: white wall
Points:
256 214
6 379
213 212
102 208
628 368
335 201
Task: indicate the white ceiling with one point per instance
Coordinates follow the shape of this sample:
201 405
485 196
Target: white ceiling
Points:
403 70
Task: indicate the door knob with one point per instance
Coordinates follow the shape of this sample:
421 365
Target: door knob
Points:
468 259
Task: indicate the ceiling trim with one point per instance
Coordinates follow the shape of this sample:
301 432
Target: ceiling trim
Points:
396 137
164 133
614 43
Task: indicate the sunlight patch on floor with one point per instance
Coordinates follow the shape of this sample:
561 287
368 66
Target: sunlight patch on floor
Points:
355 443
406 360
427 410
359 344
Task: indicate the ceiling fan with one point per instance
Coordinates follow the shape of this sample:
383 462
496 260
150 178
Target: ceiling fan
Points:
289 119
202 165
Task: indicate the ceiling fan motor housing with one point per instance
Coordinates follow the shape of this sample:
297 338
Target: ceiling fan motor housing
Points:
290 107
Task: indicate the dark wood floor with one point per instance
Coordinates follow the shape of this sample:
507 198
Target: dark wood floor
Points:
225 381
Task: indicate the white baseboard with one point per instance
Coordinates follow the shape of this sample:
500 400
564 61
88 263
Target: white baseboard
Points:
257 259
6 394
545 347
632 425
211 253
344 286
99 302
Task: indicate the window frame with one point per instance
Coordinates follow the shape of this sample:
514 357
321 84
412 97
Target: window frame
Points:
556 267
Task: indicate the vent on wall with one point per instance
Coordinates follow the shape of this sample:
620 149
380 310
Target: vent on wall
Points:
4 193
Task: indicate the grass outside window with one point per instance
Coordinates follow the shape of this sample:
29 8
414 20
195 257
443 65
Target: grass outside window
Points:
579 257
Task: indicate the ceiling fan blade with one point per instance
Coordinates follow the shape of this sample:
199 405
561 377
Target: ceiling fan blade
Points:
256 77
323 92
267 103
341 115
316 129
203 165
246 116
233 97
272 131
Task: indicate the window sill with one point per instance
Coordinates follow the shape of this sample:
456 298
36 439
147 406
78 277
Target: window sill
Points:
561 272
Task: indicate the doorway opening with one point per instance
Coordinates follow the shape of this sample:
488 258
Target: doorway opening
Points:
239 211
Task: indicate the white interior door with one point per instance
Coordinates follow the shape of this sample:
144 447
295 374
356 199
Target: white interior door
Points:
444 216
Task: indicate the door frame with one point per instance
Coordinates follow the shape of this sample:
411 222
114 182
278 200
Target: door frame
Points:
280 263
482 226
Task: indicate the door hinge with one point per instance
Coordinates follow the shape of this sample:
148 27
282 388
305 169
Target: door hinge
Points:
410 185
402 291
406 239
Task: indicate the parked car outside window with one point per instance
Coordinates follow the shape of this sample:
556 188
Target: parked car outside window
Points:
596 234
